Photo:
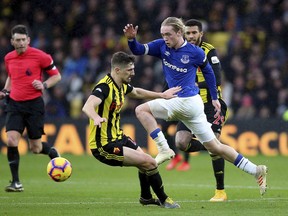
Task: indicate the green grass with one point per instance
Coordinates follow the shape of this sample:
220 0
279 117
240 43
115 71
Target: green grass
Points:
96 189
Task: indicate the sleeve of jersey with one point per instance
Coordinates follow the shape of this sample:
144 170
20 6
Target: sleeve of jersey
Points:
137 48
48 65
215 64
216 67
129 89
101 91
152 48
210 79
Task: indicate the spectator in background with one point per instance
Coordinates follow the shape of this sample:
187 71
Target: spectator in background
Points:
254 22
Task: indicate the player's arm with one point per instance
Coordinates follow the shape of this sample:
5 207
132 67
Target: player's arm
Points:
211 82
209 78
89 109
130 32
54 75
51 81
140 93
94 100
216 67
51 70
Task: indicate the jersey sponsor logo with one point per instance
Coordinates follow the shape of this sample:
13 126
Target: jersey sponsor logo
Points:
116 107
173 67
214 60
185 59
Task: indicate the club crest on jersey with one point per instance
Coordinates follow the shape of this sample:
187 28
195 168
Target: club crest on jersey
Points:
116 150
28 72
185 59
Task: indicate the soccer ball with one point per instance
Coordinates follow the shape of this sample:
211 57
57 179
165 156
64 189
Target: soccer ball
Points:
59 169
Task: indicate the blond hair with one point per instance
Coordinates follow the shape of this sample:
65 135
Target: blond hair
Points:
176 23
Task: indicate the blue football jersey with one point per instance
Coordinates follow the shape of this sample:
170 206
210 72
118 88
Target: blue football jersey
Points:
179 65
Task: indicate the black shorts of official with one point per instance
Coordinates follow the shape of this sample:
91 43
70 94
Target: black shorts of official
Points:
209 109
112 153
29 114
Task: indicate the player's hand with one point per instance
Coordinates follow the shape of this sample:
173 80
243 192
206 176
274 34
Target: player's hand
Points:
217 106
130 32
171 92
2 95
99 121
37 84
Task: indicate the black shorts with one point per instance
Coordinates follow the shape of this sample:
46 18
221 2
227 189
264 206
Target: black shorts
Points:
112 153
29 114
217 123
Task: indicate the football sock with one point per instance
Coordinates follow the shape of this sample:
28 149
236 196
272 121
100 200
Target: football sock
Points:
13 160
144 185
218 164
171 141
155 181
45 148
245 165
194 146
186 156
158 136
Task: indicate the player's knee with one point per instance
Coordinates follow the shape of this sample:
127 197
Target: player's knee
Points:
12 141
149 163
36 149
213 147
138 111
141 109
180 144
182 139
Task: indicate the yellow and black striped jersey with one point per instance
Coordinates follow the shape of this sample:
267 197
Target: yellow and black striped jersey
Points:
216 66
112 98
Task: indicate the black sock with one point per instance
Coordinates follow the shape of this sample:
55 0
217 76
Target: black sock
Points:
13 159
194 146
186 156
45 148
144 185
218 168
155 181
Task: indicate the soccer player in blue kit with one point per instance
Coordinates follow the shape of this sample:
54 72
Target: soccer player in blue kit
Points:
180 61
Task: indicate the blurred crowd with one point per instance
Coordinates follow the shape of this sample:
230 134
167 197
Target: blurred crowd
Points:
250 37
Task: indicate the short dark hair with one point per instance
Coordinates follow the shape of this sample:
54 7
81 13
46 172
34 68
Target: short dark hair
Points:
20 29
122 58
194 22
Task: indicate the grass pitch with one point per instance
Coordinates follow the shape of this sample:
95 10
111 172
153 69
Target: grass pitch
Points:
96 189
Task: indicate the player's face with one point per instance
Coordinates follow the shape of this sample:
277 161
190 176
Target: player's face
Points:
20 42
193 35
172 39
127 73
